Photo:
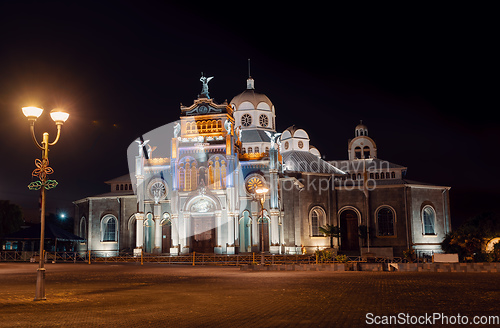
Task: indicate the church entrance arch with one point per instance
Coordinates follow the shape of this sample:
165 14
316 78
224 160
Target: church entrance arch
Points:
132 233
349 236
202 212
166 233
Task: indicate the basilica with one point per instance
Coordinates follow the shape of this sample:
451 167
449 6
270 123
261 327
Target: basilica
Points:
222 180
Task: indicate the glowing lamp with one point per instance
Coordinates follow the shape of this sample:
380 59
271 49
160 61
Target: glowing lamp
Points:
59 115
32 112
261 190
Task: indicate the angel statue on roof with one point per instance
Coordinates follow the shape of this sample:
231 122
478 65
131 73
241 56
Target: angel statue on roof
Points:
204 80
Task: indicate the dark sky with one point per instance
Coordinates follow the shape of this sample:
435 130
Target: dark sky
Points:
421 77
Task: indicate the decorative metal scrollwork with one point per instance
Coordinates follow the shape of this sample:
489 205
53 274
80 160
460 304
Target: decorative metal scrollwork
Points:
42 170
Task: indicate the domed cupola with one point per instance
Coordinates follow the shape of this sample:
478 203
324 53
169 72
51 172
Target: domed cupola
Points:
362 146
295 139
361 129
253 110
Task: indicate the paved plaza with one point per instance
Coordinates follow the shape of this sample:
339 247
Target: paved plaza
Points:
160 295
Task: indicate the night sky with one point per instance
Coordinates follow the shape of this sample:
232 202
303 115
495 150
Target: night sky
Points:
423 79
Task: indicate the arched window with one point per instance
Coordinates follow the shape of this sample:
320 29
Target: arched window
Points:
359 176
117 187
217 172
83 228
130 187
182 174
316 219
126 186
250 149
121 187
109 228
382 175
393 175
357 152
257 149
366 152
377 176
245 232
267 149
428 220
353 176
371 175
385 221
243 150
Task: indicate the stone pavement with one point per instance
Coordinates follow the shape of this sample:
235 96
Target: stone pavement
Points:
158 295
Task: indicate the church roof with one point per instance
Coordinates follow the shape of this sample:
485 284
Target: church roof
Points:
119 193
303 161
372 164
390 182
254 135
121 179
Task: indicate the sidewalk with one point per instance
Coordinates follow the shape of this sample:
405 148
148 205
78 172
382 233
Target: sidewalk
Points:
157 295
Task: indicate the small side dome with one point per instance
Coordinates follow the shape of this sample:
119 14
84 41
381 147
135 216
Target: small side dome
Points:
313 150
294 139
294 132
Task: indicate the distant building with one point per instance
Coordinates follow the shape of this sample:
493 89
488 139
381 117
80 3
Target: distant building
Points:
201 195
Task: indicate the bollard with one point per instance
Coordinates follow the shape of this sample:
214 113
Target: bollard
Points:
89 256
193 257
142 261
316 258
253 258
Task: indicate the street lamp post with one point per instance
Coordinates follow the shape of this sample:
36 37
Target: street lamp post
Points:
59 116
261 194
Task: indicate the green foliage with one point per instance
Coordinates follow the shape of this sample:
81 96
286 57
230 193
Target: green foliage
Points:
342 258
324 255
330 231
408 254
468 239
363 232
11 217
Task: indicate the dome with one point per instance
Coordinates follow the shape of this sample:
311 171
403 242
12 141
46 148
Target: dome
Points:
294 132
361 126
252 100
361 129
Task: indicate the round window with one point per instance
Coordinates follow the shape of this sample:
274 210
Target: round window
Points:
301 144
263 120
286 145
246 120
254 182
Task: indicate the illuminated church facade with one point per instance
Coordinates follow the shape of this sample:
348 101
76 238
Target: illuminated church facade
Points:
222 180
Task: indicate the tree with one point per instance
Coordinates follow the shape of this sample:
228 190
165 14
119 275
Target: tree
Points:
330 231
468 239
363 233
11 217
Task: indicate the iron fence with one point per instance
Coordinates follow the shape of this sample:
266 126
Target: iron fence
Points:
191 259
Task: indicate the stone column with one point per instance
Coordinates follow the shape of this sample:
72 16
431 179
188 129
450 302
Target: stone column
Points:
139 237
157 219
218 233
175 235
274 237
